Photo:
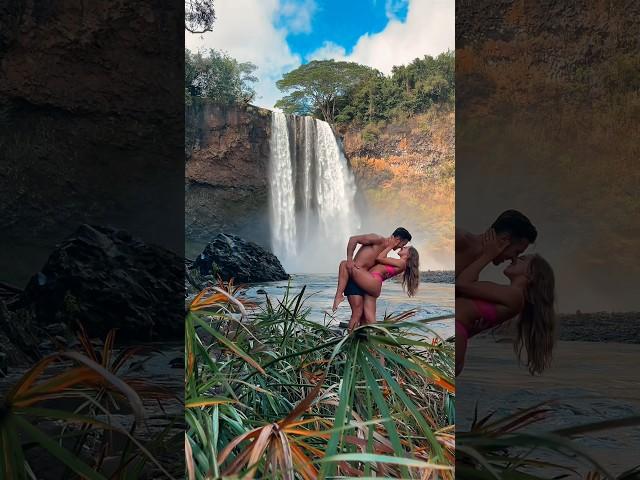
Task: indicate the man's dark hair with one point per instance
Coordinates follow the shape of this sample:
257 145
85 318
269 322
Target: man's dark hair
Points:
402 233
515 224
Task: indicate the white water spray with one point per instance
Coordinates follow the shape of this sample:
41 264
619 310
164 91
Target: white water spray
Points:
312 195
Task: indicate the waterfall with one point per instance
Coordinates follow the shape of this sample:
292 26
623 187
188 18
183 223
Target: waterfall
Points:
312 195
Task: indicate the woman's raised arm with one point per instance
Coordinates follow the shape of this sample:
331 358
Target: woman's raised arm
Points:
383 259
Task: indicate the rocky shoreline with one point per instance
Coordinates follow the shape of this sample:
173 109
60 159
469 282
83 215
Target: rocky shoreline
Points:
438 276
620 327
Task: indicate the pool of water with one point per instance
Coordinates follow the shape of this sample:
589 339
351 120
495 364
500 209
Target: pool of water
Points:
432 299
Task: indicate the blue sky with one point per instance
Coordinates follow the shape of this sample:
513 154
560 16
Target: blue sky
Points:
280 35
343 23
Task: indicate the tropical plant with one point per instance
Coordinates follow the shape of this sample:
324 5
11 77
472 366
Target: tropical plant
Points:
285 397
504 448
70 395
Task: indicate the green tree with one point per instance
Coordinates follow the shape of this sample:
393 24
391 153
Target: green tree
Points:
199 16
219 77
319 85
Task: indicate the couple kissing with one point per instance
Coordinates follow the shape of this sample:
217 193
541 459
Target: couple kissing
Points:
360 277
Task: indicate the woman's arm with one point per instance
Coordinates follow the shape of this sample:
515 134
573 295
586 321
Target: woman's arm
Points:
505 295
383 259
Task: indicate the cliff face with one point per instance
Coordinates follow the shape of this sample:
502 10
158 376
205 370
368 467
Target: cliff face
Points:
514 54
90 124
226 174
547 122
405 175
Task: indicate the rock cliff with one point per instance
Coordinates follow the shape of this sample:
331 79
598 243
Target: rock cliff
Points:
226 184
91 124
405 175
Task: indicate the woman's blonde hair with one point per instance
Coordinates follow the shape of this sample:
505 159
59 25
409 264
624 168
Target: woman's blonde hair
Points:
411 277
537 324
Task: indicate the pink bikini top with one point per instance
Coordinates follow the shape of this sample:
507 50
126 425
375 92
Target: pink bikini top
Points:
391 272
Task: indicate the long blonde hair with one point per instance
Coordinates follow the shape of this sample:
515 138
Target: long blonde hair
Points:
411 276
537 325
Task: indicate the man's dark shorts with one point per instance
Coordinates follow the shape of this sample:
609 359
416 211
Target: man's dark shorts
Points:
353 289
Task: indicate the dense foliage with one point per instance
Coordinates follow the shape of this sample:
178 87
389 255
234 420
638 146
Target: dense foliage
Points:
219 77
317 86
409 90
346 92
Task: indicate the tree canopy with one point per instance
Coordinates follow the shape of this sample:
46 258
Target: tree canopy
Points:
346 92
318 85
219 77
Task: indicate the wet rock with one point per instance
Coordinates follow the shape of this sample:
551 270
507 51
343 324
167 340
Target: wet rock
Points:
229 256
106 278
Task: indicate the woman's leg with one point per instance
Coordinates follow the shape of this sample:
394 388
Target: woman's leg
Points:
366 281
343 278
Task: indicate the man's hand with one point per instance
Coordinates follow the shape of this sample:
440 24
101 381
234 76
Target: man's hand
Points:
350 264
492 245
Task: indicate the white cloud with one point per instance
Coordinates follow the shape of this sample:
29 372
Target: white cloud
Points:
328 50
297 15
429 29
246 30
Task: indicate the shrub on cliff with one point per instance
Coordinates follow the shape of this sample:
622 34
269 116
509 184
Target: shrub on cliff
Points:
219 77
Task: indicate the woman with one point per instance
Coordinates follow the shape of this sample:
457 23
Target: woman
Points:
530 295
370 281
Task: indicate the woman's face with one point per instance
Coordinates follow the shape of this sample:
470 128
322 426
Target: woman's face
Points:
519 266
403 252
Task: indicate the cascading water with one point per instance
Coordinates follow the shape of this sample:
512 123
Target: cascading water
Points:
312 195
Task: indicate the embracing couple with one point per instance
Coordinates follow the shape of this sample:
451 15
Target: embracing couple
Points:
360 278
530 294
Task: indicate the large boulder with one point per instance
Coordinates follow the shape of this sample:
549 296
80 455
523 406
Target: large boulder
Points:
106 278
229 256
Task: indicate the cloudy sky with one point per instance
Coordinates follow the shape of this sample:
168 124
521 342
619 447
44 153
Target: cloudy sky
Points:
280 35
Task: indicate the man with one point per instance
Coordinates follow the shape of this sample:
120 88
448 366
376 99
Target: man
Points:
363 306
510 225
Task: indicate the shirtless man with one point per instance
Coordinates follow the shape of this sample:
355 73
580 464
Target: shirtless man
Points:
363 305
510 225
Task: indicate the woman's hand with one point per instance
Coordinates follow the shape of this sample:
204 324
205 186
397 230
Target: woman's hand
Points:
492 245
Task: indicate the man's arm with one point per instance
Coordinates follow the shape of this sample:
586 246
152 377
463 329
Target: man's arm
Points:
491 248
367 239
